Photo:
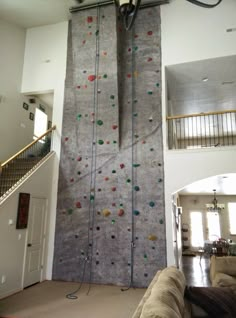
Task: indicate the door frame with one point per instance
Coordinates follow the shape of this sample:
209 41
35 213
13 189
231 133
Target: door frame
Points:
45 240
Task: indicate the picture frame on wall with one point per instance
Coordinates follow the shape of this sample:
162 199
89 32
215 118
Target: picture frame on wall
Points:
31 116
25 106
23 211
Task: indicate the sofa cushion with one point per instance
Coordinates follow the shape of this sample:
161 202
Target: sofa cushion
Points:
166 299
225 264
223 280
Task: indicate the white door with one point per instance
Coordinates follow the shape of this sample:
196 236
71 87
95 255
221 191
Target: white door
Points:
35 241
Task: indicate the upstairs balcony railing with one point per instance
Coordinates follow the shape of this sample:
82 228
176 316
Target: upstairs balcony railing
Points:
16 167
204 130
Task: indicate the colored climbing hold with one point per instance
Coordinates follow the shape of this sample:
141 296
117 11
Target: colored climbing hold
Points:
113 189
91 78
150 119
136 188
104 53
66 138
122 166
79 116
114 142
161 221
99 189
121 212
121 204
70 211
149 33
114 127
113 237
106 212
143 142
129 49
152 237
79 158
97 32
89 19
107 142
136 212
99 122
135 114
145 256
100 142
149 59
105 76
136 48
112 97
113 105
128 180
72 180
136 135
151 149
83 42
129 75
151 204
159 180
135 74
92 197
157 84
106 178
149 92
136 165
78 205
113 171
113 221
145 275
78 172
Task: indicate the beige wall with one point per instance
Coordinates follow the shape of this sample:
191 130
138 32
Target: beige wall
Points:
198 203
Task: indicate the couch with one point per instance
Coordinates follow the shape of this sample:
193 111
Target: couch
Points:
223 271
164 297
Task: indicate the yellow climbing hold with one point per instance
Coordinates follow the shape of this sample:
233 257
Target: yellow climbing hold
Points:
152 237
136 74
106 212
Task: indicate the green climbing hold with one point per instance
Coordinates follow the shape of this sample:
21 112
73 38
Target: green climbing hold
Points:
136 136
113 171
79 116
114 142
92 197
136 48
97 33
149 92
112 97
159 180
105 76
100 142
121 204
113 221
145 256
128 180
78 172
136 188
136 212
70 211
99 122
113 105
136 165
151 149
161 221
151 204
157 84
135 114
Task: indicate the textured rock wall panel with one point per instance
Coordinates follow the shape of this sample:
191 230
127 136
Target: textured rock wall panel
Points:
111 187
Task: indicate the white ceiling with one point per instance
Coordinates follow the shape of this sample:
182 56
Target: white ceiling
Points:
189 94
223 184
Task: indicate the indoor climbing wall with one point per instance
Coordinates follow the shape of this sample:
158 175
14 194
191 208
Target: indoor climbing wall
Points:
110 218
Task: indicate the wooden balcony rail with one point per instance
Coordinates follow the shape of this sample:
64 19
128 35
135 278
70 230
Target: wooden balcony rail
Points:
13 169
204 130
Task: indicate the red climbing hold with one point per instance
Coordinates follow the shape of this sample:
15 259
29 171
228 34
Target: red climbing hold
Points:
149 33
106 178
122 166
91 78
149 59
121 212
113 189
78 205
114 127
66 139
107 142
89 19
79 158
129 75
113 204
72 180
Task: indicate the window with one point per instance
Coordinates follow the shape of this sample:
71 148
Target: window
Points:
232 217
213 224
196 229
40 123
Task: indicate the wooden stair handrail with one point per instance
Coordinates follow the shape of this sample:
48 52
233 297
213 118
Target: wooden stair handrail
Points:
27 147
201 114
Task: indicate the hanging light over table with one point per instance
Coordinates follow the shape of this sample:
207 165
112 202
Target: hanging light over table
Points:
215 206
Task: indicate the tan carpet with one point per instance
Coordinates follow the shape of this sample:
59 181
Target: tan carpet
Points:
47 300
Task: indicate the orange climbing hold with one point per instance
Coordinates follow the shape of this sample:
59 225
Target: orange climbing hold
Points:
106 212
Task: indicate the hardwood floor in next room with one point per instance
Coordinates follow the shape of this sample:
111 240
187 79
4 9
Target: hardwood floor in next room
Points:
197 273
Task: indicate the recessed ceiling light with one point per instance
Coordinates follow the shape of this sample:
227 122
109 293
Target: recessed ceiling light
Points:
205 79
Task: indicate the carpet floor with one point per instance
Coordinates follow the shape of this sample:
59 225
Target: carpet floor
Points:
47 300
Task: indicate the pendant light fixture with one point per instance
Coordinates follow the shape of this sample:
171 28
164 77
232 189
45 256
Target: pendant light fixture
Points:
215 206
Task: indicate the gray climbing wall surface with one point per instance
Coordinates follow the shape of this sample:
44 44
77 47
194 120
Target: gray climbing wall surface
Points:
110 216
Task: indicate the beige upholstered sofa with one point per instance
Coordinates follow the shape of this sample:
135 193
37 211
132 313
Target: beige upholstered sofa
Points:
164 297
223 271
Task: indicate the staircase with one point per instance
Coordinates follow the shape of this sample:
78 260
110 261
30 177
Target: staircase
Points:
18 166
